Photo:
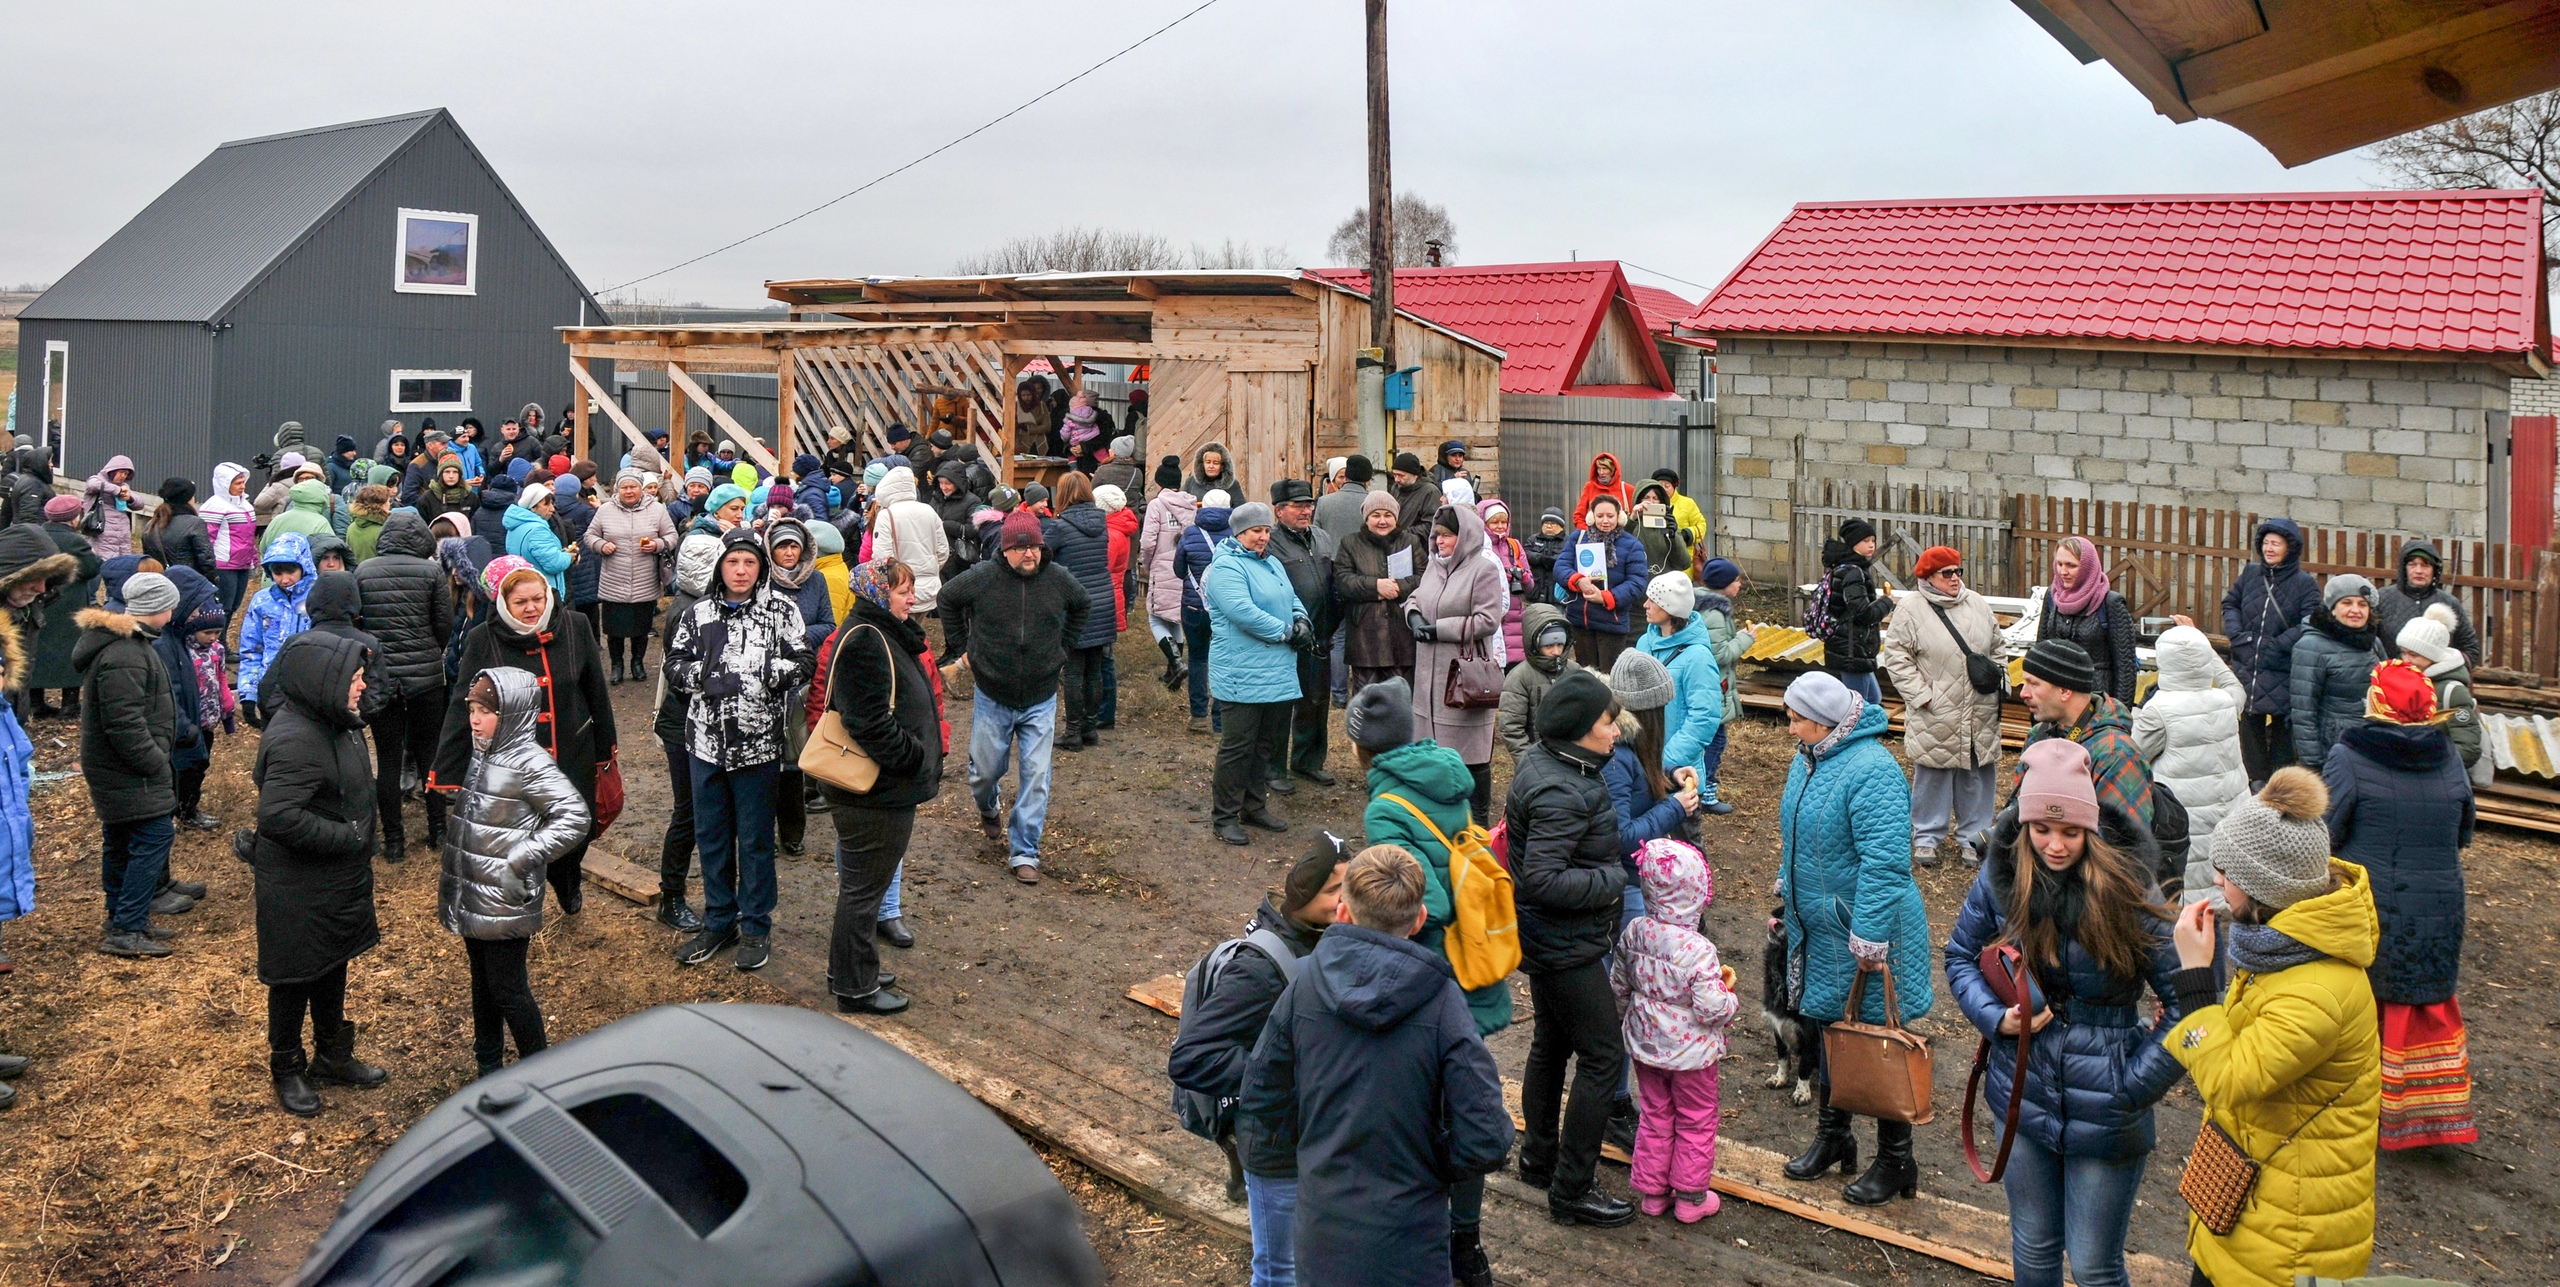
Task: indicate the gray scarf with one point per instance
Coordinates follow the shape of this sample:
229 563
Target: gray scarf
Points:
2264 949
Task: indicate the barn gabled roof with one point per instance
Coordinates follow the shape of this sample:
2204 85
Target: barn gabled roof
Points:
2451 274
203 244
1544 317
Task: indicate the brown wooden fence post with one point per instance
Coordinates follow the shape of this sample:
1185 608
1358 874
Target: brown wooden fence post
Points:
2546 614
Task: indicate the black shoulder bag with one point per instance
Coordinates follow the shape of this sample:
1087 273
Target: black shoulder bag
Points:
1980 671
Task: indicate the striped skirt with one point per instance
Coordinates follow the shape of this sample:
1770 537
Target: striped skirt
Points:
2426 1076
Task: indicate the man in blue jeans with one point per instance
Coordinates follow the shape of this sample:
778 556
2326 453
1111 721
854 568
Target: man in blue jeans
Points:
1021 613
128 730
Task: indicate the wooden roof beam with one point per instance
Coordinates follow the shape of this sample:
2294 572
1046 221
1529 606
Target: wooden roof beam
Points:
2105 29
2322 43
998 290
1144 289
2184 28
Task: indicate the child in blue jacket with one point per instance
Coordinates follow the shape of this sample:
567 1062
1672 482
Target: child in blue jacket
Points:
274 615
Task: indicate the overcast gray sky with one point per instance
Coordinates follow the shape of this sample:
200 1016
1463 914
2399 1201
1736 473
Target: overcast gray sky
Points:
639 134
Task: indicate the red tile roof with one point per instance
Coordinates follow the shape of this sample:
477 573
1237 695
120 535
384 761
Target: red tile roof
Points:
1662 309
2420 272
1542 316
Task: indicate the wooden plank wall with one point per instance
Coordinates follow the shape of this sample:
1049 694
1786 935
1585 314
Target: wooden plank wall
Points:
1458 393
1247 332
1617 352
1186 407
1268 426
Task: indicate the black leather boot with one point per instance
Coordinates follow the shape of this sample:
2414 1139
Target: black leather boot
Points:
293 1083
333 1060
1894 1173
1468 1266
1172 663
1591 1207
1832 1144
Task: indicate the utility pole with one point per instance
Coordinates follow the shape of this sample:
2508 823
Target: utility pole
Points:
1379 358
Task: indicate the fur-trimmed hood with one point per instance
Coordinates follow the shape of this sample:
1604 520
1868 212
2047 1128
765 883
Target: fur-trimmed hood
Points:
26 554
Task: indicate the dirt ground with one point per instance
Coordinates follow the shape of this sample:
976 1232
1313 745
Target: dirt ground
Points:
148 1144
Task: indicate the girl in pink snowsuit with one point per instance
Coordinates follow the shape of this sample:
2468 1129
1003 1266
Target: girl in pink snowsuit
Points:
1678 1004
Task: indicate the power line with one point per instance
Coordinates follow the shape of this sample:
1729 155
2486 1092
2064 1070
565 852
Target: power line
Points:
1664 276
1025 106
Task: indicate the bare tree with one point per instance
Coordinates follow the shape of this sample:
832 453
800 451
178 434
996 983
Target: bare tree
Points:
633 308
2514 146
1075 250
1418 223
1232 253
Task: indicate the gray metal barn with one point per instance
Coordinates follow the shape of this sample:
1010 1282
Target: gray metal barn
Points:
336 276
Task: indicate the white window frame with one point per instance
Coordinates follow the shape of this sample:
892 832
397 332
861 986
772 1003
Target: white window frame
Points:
44 409
398 407
400 254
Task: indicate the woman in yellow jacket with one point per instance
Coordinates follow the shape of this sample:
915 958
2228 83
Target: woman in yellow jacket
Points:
2290 1062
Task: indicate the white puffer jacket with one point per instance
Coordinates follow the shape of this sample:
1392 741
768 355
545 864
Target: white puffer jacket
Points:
2190 731
919 541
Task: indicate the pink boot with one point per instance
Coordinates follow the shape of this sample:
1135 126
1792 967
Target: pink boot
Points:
1695 1207
1654 1204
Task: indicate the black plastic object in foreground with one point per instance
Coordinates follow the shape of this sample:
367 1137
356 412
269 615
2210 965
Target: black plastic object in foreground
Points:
739 1145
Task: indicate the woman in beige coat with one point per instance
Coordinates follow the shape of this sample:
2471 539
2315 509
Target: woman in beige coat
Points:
1950 732
1457 611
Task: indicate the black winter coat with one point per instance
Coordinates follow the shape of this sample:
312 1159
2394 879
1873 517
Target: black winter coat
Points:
902 732
1857 611
2400 603
1371 1077
1379 639
332 606
2264 614
2106 633
2400 806
401 595
576 722
1021 626
586 576
2332 668
1308 558
1209 1056
128 718
489 522
315 845
1567 866
185 543
1079 540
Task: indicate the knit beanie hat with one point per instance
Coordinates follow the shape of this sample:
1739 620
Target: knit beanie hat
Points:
873 473
2063 664
1640 682
1408 463
2055 786
2430 636
1554 632
2275 845
1021 531
62 509
1110 498
1169 473
1818 695
1216 498
1248 516
1380 716
697 474
1671 592
1718 574
1572 705
1937 559
1003 499
2343 585
1855 530
1314 867
177 491
1124 445
149 592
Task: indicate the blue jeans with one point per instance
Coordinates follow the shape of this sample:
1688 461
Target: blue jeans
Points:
1195 635
1341 673
733 829
997 731
137 854
1272 1205
889 902
2080 1204
1709 761
1863 683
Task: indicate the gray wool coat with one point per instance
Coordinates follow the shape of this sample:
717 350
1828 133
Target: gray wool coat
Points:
628 575
1463 597
515 815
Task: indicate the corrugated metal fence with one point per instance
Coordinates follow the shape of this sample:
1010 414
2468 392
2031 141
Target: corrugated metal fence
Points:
1548 443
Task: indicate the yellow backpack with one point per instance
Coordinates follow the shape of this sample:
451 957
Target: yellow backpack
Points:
1483 938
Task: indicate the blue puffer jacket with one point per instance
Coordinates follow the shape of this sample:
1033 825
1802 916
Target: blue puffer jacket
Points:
1250 607
1627 576
1193 551
2400 806
1844 870
17 821
274 615
1079 542
2096 1070
1696 711
2263 615
529 537
1640 816
586 575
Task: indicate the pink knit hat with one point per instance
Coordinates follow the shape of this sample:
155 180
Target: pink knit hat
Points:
2056 785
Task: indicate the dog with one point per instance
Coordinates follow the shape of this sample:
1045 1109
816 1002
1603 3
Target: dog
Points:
1799 1046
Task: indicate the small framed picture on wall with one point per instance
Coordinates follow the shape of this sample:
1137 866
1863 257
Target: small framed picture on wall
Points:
439 253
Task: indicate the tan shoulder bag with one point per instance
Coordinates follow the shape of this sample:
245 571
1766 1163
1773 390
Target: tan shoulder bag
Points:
832 756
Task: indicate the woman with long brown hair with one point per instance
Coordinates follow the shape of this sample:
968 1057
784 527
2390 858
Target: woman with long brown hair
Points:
2067 884
177 535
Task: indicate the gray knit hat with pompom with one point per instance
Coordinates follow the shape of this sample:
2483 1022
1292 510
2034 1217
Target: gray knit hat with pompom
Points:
2275 845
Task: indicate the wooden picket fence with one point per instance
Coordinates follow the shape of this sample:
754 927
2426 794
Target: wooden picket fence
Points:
1908 520
2170 559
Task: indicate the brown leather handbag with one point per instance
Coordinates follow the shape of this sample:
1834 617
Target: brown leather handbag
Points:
2004 969
1877 1070
1475 682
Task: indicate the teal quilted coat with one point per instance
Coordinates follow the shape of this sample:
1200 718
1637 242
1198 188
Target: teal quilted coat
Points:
1844 835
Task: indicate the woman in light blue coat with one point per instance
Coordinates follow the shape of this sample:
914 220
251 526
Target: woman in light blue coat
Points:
530 537
1851 907
1676 636
1256 626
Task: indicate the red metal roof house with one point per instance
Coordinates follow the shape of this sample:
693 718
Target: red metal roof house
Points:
2340 357
1572 328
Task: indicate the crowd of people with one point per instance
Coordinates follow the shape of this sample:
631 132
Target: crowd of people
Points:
441 626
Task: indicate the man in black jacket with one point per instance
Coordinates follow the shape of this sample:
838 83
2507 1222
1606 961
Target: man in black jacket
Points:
1567 865
1217 1036
1371 1083
400 593
128 730
1306 553
1022 614
1858 607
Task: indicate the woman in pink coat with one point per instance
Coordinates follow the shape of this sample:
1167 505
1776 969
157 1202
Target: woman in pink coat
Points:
1455 612
1517 578
1168 515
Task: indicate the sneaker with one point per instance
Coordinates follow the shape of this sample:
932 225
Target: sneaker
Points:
1266 821
131 944
705 945
1716 807
677 914
882 1001
753 951
172 903
1924 855
1318 776
201 821
793 848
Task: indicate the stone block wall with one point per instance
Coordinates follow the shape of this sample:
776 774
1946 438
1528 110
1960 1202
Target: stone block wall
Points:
2396 446
2535 397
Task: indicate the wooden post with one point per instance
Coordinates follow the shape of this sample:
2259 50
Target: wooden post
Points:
681 385
612 409
2546 613
675 425
578 418
785 390
1382 245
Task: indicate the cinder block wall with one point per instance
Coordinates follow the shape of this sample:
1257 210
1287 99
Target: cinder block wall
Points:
2384 445
2536 397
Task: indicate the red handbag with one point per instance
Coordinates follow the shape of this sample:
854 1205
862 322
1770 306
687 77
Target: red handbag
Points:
2004 968
608 795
